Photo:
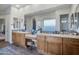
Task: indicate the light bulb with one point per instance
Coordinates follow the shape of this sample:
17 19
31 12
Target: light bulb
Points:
18 6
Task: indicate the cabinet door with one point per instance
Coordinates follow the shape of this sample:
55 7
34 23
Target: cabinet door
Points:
70 46
14 38
17 38
22 40
41 43
54 45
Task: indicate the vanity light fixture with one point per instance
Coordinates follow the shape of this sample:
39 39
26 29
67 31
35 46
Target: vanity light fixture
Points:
17 6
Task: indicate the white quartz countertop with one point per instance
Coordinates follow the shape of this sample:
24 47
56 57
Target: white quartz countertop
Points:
30 36
60 35
20 32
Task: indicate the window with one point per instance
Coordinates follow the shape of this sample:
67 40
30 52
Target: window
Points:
49 25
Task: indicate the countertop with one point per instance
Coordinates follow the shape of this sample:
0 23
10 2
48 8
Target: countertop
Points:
2 37
46 34
30 36
20 32
60 35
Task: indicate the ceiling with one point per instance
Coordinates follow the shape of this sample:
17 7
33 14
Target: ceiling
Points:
49 10
4 6
18 6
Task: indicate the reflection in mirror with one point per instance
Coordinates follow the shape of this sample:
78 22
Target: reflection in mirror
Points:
74 21
49 25
64 23
15 23
34 24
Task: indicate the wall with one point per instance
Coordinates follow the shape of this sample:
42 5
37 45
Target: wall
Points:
8 28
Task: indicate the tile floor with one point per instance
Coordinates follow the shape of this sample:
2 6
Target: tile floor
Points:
11 49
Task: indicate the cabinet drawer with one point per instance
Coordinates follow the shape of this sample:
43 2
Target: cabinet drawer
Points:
53 39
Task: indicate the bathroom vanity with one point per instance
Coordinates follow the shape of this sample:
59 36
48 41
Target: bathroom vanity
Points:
19 38
58 44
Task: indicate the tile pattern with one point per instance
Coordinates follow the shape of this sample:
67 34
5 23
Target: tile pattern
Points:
11 49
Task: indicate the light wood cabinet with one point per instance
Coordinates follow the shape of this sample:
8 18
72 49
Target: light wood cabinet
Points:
18 39
54 45
41 44
21 40
14 37
49 45
70 46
